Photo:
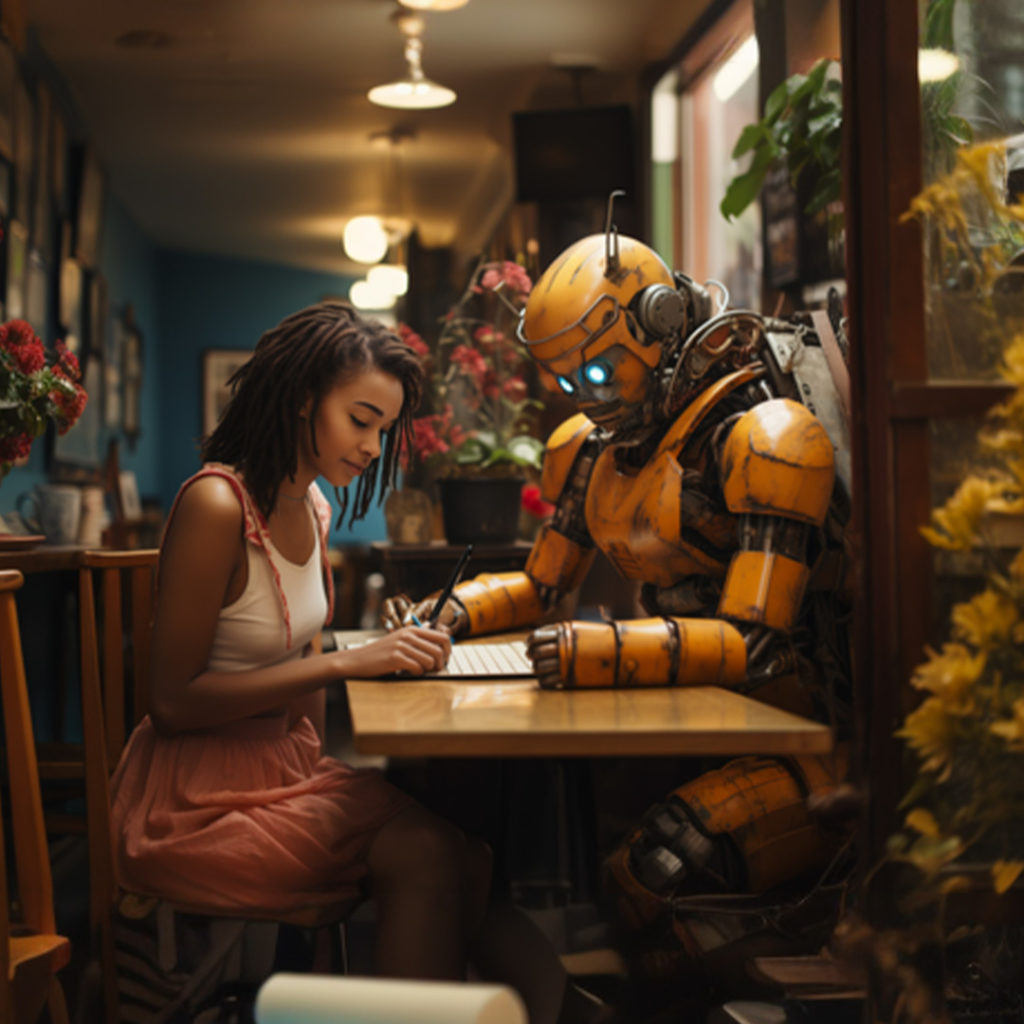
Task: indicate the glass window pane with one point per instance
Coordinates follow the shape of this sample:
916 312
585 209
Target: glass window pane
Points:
972 102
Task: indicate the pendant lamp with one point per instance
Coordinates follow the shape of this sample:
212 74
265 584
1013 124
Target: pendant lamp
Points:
414 91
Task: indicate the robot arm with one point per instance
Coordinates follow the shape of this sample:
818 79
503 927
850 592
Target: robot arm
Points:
557 563
777 474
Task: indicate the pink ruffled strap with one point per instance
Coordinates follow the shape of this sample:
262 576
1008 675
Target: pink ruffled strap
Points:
257 532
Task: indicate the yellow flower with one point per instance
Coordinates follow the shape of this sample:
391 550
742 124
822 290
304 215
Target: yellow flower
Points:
951 676
930 731
1012 729
1004 874
957 521
986 621
923 821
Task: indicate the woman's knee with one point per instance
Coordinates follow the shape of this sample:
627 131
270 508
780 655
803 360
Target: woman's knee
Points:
417 847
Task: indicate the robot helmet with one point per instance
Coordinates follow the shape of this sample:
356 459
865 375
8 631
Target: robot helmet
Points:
598 317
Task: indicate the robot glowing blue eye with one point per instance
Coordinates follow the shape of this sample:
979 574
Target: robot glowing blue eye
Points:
566 385
597 372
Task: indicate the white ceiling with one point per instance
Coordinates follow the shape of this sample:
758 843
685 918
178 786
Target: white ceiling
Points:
247 133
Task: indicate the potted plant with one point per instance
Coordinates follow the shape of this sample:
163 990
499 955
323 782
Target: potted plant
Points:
33 391
477 433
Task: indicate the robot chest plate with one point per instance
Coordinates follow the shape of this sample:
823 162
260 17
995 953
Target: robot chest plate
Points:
638 521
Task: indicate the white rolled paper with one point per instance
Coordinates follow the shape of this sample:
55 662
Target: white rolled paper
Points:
320 999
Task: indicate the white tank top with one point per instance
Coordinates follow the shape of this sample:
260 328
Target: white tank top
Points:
251 631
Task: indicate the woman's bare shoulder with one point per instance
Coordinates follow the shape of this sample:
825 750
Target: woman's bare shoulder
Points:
210 504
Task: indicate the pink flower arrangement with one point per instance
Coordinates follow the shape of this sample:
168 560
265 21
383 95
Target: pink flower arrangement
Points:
33 391
534 504
478 411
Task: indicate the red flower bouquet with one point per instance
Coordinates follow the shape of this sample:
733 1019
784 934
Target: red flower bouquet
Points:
34 391
480 415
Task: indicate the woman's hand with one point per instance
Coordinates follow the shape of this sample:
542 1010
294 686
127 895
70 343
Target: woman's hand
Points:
411 650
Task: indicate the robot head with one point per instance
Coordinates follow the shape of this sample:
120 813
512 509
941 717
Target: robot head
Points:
598 319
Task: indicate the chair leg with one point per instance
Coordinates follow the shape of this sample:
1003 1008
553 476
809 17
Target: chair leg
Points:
56 1003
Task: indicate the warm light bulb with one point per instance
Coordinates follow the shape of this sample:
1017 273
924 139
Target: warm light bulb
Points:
389 277
365 239
411 94
936 65
365 296
433 5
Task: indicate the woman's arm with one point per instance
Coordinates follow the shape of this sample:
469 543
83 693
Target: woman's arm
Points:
200 568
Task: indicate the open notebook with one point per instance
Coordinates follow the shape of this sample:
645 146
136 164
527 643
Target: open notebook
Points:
502 660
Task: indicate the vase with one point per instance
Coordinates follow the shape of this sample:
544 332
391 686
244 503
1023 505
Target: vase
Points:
481 508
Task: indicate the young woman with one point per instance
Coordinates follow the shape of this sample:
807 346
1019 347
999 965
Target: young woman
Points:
222 797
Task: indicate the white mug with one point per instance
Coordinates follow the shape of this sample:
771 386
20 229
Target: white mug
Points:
54 510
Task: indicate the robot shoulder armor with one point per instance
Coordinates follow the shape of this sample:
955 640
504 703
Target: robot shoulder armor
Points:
563 446
778 460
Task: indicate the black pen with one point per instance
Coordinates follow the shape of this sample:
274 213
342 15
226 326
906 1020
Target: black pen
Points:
456 575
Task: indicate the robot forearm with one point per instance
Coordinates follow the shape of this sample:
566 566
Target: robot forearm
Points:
639 652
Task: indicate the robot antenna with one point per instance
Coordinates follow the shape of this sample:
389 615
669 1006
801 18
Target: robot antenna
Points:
611 237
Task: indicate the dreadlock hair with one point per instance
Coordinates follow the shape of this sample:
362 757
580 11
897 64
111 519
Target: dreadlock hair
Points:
305 356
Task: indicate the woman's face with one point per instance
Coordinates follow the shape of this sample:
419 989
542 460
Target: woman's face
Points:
350 426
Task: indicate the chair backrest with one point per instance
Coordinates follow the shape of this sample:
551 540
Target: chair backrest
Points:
126 582
31 853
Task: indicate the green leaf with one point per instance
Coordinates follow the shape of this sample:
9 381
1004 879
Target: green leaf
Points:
751 136
776 101
741 192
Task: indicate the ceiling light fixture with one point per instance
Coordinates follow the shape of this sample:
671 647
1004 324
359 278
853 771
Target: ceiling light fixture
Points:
415 91
433 5
365 239
364 295
389 277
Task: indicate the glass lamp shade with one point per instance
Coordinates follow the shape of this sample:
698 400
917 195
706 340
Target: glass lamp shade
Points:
365 239
389 277
433 5
364 295
411 94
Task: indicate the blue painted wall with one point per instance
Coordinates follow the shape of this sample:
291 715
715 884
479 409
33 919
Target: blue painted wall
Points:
127 260
213 302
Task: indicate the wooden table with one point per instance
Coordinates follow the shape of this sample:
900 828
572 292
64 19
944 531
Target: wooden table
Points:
515 718
44 558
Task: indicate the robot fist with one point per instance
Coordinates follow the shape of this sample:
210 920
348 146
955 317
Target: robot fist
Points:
400 611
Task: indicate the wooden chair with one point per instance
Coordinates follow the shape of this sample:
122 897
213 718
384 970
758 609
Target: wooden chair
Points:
126 624
29 962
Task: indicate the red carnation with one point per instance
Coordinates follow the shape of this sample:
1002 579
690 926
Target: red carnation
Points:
70 404
534 503
14 448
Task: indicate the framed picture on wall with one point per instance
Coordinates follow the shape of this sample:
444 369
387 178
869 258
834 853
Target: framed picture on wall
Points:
17 256
76 455
8 77
24 153
89 209
131 379
218 366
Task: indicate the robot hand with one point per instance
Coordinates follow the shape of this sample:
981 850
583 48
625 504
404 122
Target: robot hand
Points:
638 652
399 611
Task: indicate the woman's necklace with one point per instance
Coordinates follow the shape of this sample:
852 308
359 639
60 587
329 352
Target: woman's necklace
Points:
291 497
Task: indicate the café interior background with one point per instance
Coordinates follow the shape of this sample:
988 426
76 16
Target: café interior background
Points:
226 144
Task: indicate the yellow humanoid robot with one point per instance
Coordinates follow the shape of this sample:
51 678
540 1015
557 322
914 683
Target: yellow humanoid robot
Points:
697 471
696 464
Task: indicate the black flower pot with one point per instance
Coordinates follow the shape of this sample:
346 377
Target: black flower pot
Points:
480 508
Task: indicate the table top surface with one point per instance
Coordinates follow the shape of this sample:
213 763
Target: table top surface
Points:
516 718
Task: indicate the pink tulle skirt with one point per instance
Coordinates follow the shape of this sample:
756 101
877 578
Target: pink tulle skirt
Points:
248 816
